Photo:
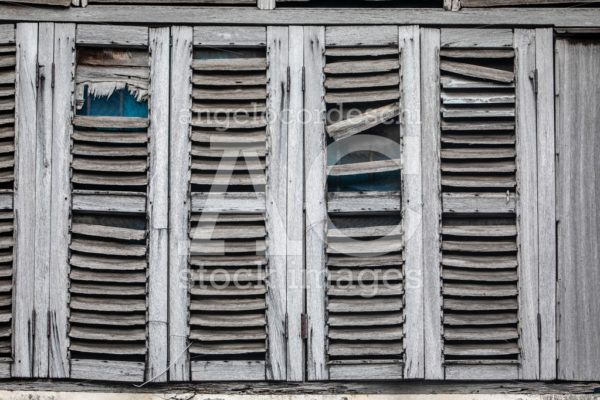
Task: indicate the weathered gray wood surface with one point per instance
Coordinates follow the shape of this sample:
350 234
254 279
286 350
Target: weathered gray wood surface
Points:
112 35
64 67
158 205
469 37
363 202
7 33
43 182
276 198
179 201
228 370
315 164
265 4
25 219
432 207
546 153
578 228
109 202
345 36
228 203
412 202
135 14
295 209
230 36
120 371
527 203
552 391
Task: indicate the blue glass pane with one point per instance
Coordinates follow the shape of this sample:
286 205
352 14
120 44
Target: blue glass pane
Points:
121 103
384 181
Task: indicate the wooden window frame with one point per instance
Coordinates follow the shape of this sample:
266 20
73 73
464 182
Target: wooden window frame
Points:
535 210
408 41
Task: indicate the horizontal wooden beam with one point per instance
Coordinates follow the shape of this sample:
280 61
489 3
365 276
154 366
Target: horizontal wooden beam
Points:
190 15
282 390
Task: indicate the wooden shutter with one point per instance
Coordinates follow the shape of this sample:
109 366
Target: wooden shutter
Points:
8 56
359 306
115 184
228 203
482 205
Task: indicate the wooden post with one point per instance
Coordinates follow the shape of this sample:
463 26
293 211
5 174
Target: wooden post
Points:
179 209
544 60
527 212
315 164
64 73
158 205
295 208
276 198
432 202
412 203
24 200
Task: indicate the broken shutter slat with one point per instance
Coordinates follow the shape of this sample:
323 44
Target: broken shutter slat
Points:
158 205
25 131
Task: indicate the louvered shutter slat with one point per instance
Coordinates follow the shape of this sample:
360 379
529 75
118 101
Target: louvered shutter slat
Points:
108 261
8 65
479 233
365 290
228 260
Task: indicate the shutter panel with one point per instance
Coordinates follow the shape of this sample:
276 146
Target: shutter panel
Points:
363 219
117 218
236 167
488 245
8 53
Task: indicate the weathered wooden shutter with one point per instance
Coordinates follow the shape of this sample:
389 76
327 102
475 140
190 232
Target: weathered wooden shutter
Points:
113 193
228 204
8 56
481 204
363 203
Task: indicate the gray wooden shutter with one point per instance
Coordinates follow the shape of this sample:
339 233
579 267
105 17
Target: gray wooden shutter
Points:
481 238
8 64
228 196
363 320
117 209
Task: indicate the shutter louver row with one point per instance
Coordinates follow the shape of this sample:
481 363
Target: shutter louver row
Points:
365 290
227 230
7 163
108 260
479 224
